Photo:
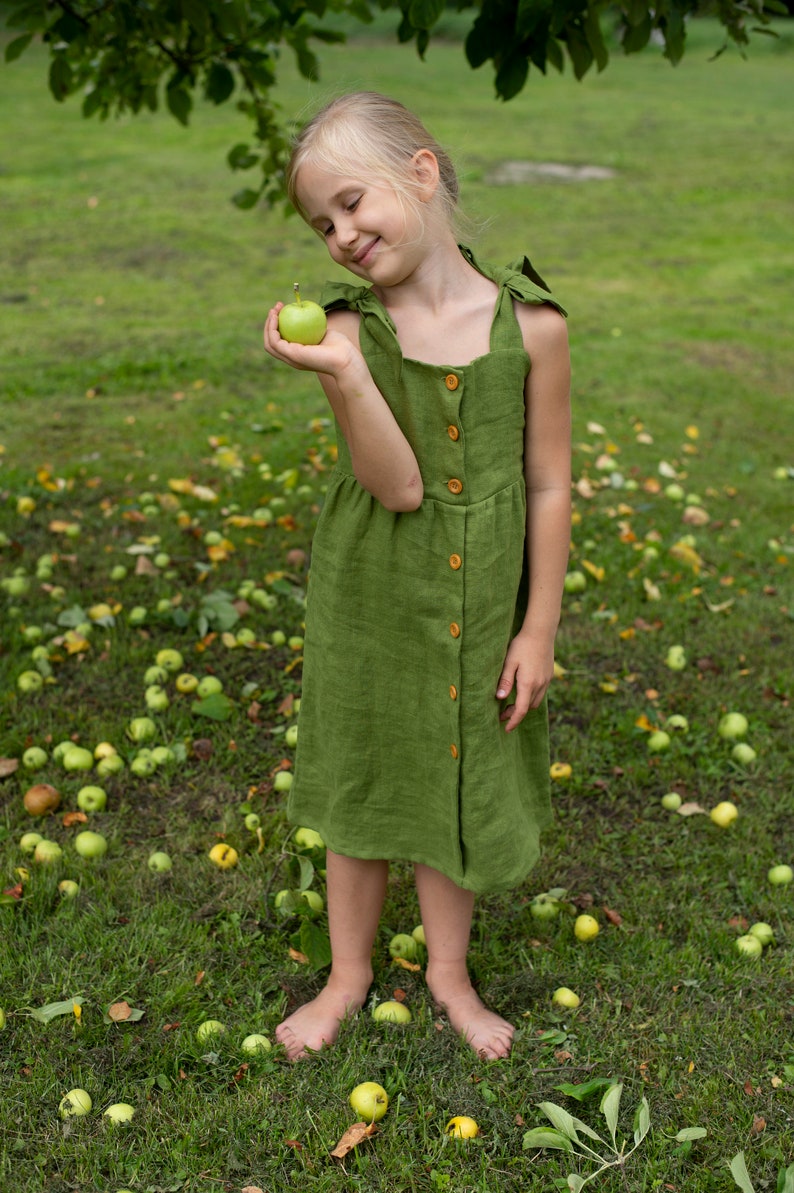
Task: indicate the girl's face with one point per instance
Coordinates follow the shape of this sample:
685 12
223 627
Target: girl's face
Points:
366 226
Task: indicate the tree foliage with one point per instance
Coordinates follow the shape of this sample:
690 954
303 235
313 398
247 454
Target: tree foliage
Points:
130 55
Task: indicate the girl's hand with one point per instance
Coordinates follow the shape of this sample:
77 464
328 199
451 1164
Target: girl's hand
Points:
529 668
334 355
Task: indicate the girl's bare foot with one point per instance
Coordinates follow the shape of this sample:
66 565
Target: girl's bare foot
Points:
488 1034
317 1023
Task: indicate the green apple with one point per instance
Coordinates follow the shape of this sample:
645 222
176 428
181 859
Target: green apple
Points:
92 799
295 642
370 1101
143 764
104 750
137 615
544 907
74 1104
743 753
764 932
678 723
118 572
403 945
749 945
302 322
671 801
263 598
78 758
210 1029
141 729
47 852
111 764
291 736
255 1043
155 675
314 901
307 838
585 928
170 659
162 755
565 997
419 935
34 758
30 681
68 888
780 875
278 638
252 821
90 845
658 742
186 682
732 726
159 862
120 1112
391 1012
210 685
282 780
2 1018
676 658
724 813
575 581
29 841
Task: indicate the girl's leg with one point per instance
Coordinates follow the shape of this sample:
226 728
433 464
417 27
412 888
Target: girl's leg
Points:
355 896
446 916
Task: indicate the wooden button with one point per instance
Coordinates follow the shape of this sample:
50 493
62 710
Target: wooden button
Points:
453 749
455 561
453 432
453 692
454 629
454 485
451 381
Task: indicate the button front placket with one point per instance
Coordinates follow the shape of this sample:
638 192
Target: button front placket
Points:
453 563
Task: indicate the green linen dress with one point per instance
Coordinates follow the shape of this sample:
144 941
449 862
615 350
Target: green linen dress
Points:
401 753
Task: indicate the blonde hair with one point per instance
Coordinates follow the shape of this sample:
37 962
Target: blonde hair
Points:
375 136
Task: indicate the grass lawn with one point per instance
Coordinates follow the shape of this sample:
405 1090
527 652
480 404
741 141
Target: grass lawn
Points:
160 478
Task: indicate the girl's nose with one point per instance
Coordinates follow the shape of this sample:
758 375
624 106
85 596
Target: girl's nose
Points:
345 232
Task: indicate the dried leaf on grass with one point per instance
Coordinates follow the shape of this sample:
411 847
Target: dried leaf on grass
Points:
690 809
74 818
8 766
122 1012
352 1137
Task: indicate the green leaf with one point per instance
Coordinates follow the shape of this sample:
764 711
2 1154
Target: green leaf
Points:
245 199
218 707
567 1123
60 78
219 83
642 1121
580 1092
53 1009
73 616
179 103
691 1133
240 157
546 1137
610 1105
785 1180
306 873
740 1174
595 39
17 47
511 75
315 944
575 1182
423 14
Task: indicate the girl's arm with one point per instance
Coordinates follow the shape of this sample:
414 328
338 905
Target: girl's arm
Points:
529 665
383 460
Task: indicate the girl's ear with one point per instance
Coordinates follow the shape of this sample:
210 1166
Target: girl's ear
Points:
425 166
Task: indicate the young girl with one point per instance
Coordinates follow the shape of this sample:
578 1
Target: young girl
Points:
437 564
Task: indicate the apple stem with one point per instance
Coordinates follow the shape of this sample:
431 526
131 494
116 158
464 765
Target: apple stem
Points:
296 288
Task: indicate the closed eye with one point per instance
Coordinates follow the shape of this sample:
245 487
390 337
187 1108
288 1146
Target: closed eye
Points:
349 207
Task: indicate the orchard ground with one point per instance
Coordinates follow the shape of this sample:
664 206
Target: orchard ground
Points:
154 459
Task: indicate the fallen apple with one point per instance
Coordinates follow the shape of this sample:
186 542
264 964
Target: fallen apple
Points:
252 821
68 888
764 932
780 875
301 321
162 755
370 1101
658 742
186 682
90 845
462 1127
141 729
30 681
159 862
677 722
111 764
314 901
143 764
155 675
223 856
585 927
307 838
2 1018
575 581
404 946
120 1112
77 758
47 852
743 753
282 781
255 1043
749 945
209 1030
676 658
41 799
560 771
391 1012
671 801
419 935
210 685
724 813
137 615
732 726
544 907
92 799
29 841
75 1104
34 758
564 997
104 750
171 660
291 736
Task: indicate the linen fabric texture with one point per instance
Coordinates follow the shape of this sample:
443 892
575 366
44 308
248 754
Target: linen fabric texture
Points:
401 753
